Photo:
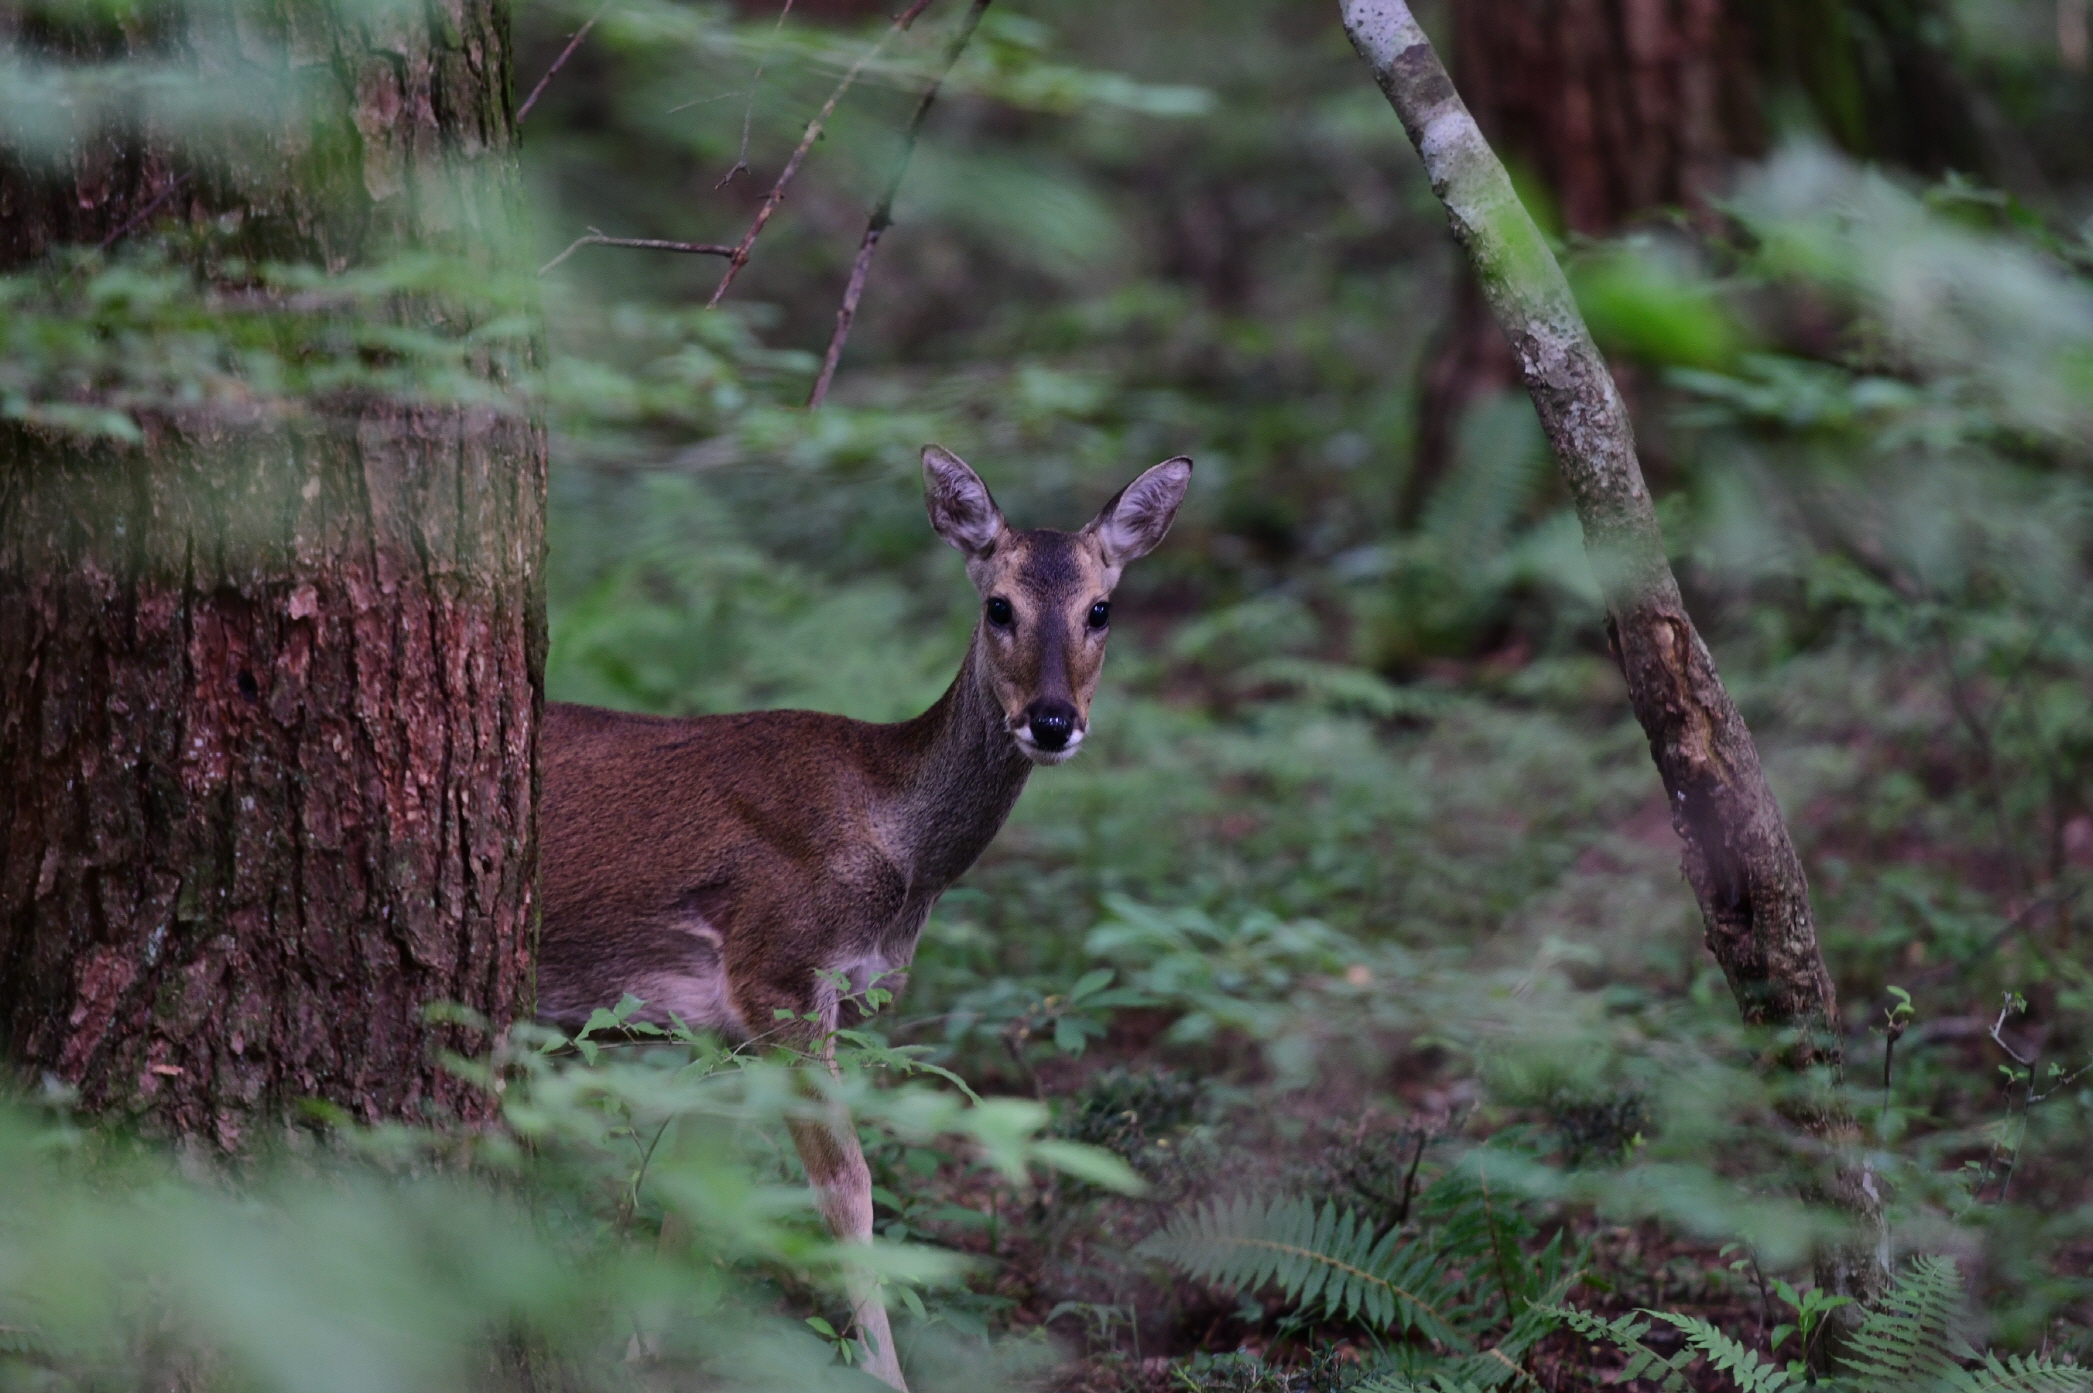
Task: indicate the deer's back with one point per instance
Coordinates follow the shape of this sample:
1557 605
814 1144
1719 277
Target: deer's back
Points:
678 850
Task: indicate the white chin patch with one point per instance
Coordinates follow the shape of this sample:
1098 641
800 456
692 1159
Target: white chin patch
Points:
1038 755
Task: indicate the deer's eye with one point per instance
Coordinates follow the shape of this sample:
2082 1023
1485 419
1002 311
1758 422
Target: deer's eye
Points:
1100 614
999 612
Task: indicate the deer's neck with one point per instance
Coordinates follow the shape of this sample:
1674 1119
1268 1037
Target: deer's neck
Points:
962 777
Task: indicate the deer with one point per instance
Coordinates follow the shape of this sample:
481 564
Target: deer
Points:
751 874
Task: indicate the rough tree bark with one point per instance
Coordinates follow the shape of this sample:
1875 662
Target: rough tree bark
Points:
1753 897
1614 108
270 686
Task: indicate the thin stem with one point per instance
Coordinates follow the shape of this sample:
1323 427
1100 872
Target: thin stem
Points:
2027 1112
883 212
1402 1210
1980 734
142 214
748 112
1889 1053
2027 1107
648 244
1504 1276
740 256
647 1159
2000 1040
560 62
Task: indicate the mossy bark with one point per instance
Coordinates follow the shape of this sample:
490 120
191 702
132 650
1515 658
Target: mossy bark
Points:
1753 896
270 682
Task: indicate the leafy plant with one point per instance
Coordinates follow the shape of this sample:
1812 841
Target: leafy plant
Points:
1456 1280
1322 1258
1749 1371
1907 1345
1220 973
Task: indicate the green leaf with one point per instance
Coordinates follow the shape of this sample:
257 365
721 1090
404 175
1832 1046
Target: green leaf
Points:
1091 1163
1093 980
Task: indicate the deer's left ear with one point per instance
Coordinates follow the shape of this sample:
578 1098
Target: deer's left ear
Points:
1135 520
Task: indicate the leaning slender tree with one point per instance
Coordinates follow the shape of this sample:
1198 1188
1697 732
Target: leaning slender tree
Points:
271 611
1754 899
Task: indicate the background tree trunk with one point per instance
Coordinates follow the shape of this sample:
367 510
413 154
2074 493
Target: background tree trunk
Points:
269 693
1607 110
1614 106
1604 109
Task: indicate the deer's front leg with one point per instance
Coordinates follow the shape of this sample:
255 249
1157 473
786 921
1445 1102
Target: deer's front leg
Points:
843 1189
828 1148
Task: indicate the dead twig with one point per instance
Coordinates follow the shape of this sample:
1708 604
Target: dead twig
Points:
645 244
568 52
883 212
748 113
142 214
771 200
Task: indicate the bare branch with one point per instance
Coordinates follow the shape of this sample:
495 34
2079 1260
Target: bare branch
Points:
559 62
2005 1010
883 212
645 244
748 113
740 257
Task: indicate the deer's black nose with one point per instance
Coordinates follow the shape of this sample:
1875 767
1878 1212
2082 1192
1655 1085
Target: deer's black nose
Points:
1052 722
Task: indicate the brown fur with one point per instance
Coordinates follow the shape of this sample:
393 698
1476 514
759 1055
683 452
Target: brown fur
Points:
721 867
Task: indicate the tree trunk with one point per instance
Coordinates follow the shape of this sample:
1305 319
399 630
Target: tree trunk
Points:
1615 106
270 683
1753 897
1608 109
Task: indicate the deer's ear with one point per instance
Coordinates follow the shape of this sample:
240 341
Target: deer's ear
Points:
1137 517
959 503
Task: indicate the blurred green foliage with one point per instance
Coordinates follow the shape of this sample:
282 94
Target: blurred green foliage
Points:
1364 830
630 1218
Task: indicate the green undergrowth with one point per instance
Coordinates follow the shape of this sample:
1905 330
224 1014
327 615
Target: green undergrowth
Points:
629 1216
1364 879
1357 935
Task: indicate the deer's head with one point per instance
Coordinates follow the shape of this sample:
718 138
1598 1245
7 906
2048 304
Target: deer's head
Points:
1046 596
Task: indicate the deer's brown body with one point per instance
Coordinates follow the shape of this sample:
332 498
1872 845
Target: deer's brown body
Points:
716 867
726 869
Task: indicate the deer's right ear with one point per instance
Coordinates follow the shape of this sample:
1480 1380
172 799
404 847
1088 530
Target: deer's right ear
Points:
959 503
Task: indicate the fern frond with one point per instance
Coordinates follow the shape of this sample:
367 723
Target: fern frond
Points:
1908 1342
2019 1374
1747 1369
1328 1259
1504 1362
1491 1368
1469 1219
1627 1332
